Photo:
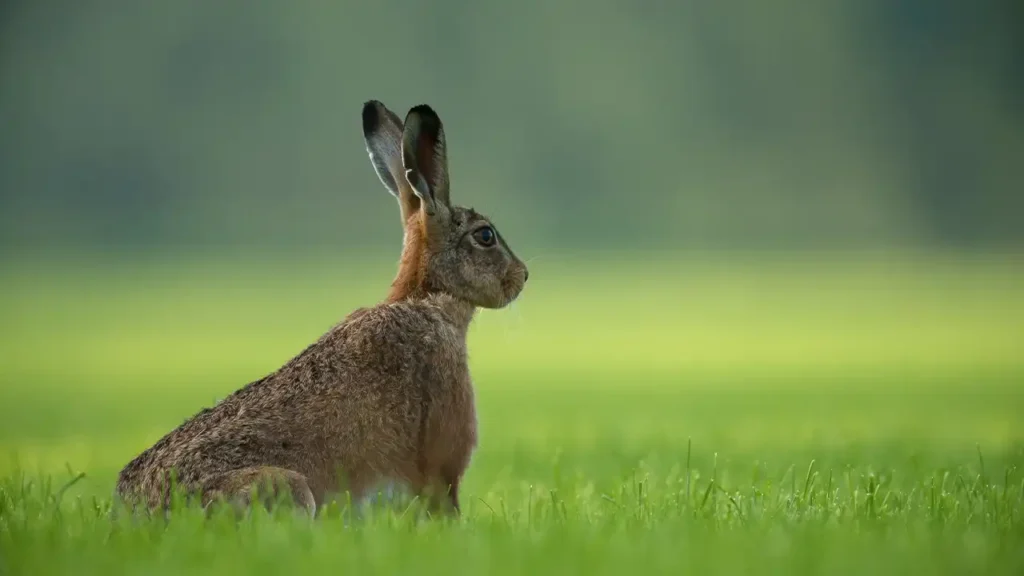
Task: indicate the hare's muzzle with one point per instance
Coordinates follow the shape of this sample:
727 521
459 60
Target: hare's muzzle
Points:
515 280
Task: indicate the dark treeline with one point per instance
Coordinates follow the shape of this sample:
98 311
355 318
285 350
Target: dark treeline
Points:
581 123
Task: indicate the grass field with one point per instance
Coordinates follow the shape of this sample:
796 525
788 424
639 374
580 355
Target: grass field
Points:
829 415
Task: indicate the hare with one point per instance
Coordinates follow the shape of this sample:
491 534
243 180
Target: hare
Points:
383 396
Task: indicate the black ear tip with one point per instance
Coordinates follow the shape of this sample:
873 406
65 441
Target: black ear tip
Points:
423 109
371 116
425 113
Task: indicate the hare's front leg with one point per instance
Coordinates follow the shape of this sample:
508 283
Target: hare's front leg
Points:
446 455
441 486
440 496
450 478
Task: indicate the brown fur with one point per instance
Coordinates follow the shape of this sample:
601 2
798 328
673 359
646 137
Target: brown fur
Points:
412 267
386 394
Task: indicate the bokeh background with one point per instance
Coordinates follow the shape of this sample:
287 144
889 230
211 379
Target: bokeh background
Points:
596 124
782 226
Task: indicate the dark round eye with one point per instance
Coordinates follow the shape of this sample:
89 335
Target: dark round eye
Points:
484 236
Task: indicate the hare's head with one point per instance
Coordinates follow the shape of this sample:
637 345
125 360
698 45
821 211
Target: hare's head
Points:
448 249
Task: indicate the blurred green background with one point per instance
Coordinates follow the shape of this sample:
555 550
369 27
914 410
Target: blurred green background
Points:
579 125
786 231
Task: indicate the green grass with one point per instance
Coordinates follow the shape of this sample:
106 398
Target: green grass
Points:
774 415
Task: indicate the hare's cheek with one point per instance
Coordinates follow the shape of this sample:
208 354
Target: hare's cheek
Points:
468 272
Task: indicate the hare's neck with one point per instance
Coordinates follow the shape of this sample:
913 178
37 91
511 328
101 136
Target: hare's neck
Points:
412 268
411 281
458 311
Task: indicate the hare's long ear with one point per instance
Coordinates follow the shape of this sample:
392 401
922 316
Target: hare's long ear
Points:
382 131
425 158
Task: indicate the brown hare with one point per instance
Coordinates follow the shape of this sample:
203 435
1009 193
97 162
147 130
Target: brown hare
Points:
385 395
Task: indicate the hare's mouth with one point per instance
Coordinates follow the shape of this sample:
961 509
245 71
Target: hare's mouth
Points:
511 287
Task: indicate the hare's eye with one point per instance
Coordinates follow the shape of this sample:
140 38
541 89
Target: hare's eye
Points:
484 236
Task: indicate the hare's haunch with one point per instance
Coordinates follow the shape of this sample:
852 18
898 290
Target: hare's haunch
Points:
386 394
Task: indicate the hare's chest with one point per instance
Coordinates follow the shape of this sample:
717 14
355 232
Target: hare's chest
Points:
450 423
449 394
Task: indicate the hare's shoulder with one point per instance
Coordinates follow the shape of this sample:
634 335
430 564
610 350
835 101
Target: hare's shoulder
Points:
399 331
419 321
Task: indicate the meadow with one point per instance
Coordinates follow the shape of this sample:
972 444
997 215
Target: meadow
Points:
718 414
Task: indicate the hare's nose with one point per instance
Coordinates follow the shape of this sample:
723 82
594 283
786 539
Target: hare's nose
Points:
526 274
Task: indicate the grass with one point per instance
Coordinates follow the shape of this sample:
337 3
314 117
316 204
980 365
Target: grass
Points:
775 415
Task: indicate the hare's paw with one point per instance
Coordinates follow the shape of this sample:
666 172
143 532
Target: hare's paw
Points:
265 484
